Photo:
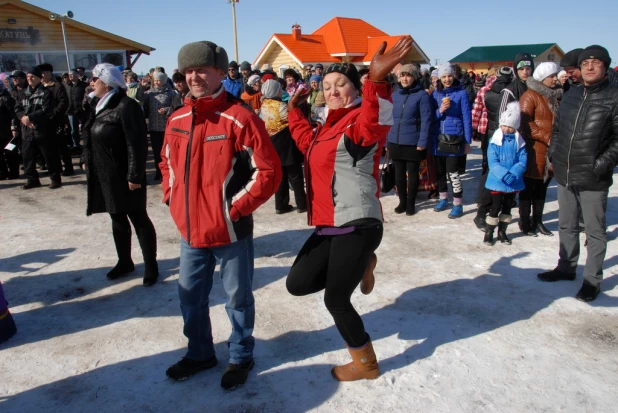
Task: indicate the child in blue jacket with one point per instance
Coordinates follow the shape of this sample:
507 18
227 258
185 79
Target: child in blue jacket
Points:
507 159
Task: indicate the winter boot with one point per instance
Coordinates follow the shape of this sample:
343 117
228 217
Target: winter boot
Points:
505 220
410 206
402 193
151 273
236 375
490 226
588 292
31 184
556 275
148 243
364 365
479 221
125 264
524 218
538 205
368 281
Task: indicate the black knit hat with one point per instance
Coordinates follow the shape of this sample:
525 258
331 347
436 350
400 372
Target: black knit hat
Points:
46 67
233 64
18 73
245 65
595 52
570 58
35 71
348 70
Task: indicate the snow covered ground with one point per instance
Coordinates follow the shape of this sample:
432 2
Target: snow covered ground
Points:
457 326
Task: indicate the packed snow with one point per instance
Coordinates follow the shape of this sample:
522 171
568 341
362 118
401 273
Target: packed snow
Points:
458 326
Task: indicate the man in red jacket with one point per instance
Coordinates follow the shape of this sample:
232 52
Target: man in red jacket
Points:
218 166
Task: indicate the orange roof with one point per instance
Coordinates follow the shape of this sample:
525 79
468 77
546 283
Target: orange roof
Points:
309 48
341 36
345 35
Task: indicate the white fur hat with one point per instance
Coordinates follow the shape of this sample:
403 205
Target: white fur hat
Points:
544 70
511 116
266 67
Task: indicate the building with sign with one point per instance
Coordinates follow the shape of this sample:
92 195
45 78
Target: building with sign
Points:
480 59
28 37
340 40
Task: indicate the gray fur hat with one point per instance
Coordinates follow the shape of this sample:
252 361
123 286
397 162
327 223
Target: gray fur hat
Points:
202 53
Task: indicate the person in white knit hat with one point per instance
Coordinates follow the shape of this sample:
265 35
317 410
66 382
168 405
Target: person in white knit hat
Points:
507 160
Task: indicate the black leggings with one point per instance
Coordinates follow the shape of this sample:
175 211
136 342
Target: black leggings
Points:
337 264
144 229
449 165
411 168
501 204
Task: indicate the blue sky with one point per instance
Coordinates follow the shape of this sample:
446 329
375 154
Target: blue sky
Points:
443 29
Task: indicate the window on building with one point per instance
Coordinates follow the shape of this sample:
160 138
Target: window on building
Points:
116 59
16 61
58 61
86 60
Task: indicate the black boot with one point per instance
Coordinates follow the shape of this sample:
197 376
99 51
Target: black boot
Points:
31 184
479 221
236 375
410 206
538 205
402 193
502 225
588 292
524 218
147 238
125 265
556 275
490 226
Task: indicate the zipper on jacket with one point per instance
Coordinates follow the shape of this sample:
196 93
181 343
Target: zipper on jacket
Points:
308 174
187 176
401 117
572 136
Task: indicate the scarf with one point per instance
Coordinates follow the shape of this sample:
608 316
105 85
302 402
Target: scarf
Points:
105 100
552 96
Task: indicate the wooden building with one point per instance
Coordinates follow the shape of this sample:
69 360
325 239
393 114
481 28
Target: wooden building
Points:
341 39
28 37
480 59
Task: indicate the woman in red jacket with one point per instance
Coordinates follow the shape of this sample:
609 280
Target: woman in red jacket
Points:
342 161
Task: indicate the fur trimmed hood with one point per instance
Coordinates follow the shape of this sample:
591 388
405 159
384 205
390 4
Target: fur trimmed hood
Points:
552 95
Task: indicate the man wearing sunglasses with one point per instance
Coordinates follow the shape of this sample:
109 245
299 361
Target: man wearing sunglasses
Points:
584 152
232 82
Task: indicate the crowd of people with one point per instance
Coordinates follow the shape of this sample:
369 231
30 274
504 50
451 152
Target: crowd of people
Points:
226 137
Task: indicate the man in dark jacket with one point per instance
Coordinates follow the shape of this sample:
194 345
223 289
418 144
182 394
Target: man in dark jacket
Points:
35 112
523 68
76 89
9 158
584 152
570 66
59 117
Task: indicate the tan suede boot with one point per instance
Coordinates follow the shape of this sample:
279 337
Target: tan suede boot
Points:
364 365
368 281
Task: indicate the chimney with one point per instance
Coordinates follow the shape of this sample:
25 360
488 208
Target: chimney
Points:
296 32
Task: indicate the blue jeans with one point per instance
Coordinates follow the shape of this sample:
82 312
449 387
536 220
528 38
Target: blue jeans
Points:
197 267
74 121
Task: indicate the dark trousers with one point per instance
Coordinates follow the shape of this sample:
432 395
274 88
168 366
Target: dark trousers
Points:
501 204
449 165
49 150
406 190
336 264
483 197
74 121
484 147
533 198
144 229
461 167
64 151
156 142
292 175
9 160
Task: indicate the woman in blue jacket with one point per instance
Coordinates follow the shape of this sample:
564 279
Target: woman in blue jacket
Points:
508 161
453 118
407 139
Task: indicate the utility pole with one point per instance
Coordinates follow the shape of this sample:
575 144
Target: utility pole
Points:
234 24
